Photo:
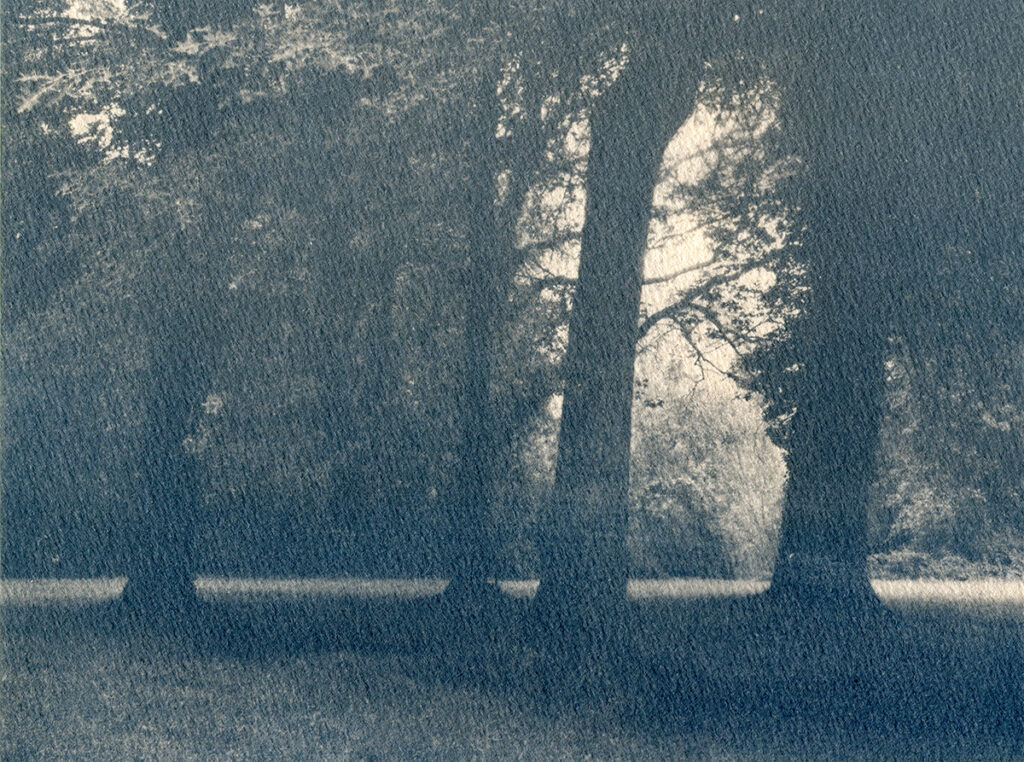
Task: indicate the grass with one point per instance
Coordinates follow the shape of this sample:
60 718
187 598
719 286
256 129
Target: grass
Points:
339 670
154 700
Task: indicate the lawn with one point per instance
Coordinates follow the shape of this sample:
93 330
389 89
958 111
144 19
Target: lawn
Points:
363 669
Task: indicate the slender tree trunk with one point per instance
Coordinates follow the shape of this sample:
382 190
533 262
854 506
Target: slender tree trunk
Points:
481 289
584 561
358 415
490 267
160 584
478 446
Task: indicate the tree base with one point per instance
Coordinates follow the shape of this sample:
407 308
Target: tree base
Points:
171 607
584 642
476 632
474 593
828 641
476 610
804 580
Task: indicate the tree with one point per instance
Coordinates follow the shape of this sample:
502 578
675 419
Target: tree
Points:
519 93
189 93
880 172
584 566
177 103
582 590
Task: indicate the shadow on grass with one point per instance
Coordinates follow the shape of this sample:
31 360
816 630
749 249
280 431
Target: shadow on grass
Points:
891 681
892 677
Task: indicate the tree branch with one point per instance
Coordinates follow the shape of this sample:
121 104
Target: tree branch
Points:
682 271
687 297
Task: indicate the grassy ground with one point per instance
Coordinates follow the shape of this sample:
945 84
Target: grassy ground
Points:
304 672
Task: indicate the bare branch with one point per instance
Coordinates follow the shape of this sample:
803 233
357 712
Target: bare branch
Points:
703 358
687 297
682 271
710 317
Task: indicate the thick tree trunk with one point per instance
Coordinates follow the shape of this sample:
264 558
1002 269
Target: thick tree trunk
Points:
584 569
839 346
160 585
822 556
852 246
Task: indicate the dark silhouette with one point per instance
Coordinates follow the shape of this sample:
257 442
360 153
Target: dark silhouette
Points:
584 564
160 587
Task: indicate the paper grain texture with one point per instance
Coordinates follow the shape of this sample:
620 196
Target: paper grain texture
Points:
536 380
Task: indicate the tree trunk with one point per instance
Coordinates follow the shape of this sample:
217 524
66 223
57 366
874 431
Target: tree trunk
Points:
478 447
482 285
584 569
852 246
358 418
840 347
492 262
822 556
160 586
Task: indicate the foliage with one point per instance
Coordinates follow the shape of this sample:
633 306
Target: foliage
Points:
945 483
709 484
913 564
706 485
71 416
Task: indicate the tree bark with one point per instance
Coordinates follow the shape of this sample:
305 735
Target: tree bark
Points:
853 245
584 561
160 576
481 289
491 264
822 555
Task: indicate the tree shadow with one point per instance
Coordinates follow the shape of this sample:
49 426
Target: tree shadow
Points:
886 683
